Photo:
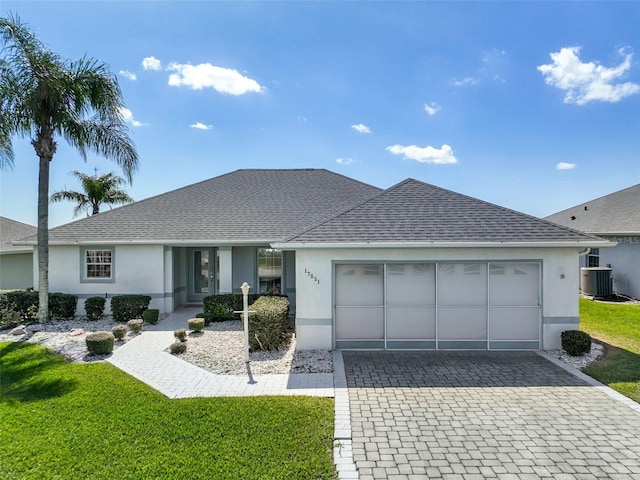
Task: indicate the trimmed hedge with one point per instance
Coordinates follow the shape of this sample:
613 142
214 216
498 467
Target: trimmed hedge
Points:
135 325
94 307
129 307
178 347
196 324
575 342
220 307
151 316
62 305
100 343
181 334
119 332
25 303
268 323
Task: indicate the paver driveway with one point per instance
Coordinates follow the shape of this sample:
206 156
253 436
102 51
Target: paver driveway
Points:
467 415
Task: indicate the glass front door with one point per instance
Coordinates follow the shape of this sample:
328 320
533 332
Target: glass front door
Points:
202 273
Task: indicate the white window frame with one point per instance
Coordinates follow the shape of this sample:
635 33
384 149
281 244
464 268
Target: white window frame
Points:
84 265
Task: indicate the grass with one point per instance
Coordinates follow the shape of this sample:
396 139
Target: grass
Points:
618 327
62 420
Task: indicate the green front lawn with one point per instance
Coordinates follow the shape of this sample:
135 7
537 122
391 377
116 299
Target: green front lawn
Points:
62 420
618 327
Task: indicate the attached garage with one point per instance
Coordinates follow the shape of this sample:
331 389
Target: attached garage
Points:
448 305
420 267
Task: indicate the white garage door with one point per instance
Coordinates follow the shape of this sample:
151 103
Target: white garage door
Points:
438 306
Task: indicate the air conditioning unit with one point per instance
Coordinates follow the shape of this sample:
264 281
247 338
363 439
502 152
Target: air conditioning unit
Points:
596 281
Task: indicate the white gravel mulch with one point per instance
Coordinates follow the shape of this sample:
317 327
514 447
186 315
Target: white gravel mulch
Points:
219 349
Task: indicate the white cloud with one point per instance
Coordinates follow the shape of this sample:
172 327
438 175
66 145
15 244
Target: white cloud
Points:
151 63
432 108
586 82
205 75
565 166
441 156
345 161
201 126
128 74
127 116
465 82
359 127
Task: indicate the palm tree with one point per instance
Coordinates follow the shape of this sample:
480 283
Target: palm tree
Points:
98 189
44 97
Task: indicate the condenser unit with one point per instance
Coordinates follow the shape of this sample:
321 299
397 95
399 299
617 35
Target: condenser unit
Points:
596 281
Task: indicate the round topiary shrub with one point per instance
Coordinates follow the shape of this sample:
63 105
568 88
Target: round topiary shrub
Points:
178 347
135 325
181 334
100 343
575 342
119 332
196 324
151 315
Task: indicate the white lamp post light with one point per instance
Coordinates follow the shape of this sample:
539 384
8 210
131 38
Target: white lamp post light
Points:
245 310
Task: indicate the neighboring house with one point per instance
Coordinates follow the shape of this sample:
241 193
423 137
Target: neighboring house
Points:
410 267
16 262
615 217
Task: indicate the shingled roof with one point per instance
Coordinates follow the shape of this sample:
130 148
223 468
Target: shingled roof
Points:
11 230
419 213
247 206
616 213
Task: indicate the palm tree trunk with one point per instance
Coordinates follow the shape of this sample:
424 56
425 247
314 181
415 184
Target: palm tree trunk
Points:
45 148
43 240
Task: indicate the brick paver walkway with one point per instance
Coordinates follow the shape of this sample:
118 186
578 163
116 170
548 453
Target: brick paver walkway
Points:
476 415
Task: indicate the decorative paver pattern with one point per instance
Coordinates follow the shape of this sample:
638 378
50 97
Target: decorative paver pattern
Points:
474 415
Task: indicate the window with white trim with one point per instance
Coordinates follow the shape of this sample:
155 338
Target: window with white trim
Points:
98 264
593 258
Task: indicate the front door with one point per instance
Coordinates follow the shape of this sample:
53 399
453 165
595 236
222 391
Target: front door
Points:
202 273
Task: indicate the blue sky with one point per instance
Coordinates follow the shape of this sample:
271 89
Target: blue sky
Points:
531 105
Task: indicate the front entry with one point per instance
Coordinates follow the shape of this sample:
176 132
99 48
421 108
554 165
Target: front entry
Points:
202 273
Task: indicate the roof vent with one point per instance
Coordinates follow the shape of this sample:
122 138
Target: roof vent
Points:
586 208
573 217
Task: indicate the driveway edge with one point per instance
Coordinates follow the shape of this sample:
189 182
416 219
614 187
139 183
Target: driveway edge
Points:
342 441
592 382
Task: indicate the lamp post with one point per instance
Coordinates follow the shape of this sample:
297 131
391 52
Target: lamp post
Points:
245 310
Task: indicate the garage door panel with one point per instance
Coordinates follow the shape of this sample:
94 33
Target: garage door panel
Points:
462 323
411 284
411 322
354 323
359 285
462 284
514 284
514 323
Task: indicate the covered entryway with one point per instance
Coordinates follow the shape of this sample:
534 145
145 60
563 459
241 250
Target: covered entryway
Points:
448 305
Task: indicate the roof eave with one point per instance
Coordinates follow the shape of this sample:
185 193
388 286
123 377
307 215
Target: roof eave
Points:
167 242
435 244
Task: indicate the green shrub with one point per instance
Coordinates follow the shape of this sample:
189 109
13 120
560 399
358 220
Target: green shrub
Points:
25 303
196 324
94 307
181 334
135 325
268 323
207 318
128 307
119 331
178 347
100 343
9 317
62 305
151 315
576 342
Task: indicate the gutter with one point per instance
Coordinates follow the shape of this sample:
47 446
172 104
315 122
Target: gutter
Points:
560 244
